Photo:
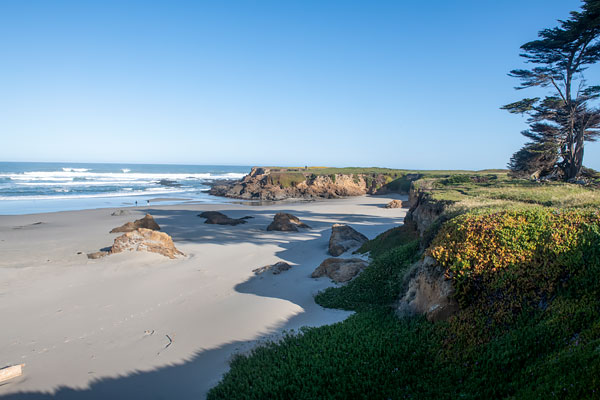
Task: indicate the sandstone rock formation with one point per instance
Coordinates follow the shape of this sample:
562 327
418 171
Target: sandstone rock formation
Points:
424 211
340 269
215 217
428 292
147 222
275 269
344 237
394 204
279 184
286 222
143 239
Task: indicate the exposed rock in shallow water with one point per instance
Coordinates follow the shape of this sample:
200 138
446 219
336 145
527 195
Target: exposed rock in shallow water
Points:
343 238
429 292
143 239
215 217
340 269
286 222
147 222
275 269
169 182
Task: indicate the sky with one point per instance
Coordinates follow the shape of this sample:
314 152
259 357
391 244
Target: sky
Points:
400 84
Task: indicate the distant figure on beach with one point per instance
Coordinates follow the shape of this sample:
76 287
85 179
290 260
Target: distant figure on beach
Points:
148 202
136 203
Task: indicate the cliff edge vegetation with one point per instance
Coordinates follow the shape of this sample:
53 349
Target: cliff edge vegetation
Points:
521 262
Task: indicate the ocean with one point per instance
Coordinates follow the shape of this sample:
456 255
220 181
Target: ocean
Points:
31 187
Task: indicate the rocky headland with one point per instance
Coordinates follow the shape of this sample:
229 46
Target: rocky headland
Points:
312 183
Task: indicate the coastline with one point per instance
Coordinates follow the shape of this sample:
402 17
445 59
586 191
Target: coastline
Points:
85 327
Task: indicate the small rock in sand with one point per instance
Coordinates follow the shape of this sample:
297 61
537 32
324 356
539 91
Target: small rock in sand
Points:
275 269
344 237
96 255
143 239
118 213
215 217
394 204
286 222
340 269
147 222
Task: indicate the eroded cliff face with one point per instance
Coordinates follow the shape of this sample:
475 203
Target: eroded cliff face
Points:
428 291
265 184
423 211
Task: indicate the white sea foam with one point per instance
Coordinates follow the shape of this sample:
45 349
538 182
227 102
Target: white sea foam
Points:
125 170
75 169
147 192
66 176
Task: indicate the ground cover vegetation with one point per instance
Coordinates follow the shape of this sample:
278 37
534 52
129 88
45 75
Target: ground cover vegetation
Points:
524 259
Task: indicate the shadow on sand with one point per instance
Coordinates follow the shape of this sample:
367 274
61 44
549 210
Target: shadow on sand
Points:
204 368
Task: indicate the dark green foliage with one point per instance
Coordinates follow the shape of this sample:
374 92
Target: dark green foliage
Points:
401 184
286 179
561 122
377 286
456 179
368 356
332 177
390 239
548 350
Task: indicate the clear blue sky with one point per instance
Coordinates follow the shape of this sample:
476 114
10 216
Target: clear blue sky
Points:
343 83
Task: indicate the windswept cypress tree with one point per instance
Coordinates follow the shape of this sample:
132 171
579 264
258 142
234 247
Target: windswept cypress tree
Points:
561 122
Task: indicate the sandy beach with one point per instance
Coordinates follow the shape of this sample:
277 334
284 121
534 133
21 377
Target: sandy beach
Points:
139 325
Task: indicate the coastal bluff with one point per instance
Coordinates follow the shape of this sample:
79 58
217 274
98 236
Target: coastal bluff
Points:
269 183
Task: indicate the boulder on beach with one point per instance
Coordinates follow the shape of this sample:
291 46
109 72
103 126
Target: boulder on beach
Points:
275 269
147 222
286 222
215 217
340 269
394 204
344 237
143 239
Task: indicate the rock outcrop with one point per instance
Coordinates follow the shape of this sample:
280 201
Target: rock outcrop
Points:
275 269
340 269
215 217
143 239
286 222
395 204
147 223
343 238
279 184
428 292
424 211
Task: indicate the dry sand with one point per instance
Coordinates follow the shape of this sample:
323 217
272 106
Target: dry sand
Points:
141 326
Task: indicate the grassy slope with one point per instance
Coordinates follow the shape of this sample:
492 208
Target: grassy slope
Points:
529 325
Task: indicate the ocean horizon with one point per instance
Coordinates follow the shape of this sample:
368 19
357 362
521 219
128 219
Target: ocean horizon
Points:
38 187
